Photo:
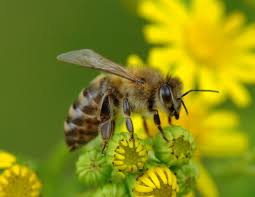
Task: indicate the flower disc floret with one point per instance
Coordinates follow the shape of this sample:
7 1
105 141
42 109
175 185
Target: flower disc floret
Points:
130 155
178 149
157 181
92 168
19 181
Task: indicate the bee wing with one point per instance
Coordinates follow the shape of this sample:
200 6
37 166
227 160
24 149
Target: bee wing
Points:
90 59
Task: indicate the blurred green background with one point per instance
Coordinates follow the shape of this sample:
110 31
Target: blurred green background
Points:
36 90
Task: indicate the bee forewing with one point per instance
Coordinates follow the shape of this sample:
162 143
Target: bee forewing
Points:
90 59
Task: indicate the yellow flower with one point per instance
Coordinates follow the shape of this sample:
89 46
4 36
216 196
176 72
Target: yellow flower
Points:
130 155
157 181
19 181
202 46
6 159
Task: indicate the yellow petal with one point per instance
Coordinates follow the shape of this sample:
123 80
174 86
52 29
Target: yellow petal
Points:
237 92
186 71
161 174
244 73
209 10
148 182
208 80
245 60
119 156
134 61
160 35
176 9
205 184
221 120
222 144
151 11
6 160
246 39
117 162
154 178
164 59
233 23
141 188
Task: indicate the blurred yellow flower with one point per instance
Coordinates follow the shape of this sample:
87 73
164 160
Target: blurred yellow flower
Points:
19 181
157 181
6 159
202 46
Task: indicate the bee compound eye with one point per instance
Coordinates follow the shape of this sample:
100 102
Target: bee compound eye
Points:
165 93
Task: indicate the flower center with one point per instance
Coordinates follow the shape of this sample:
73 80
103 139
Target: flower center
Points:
164 189
19 187
181 148
157 182
19 182
206 43
130 155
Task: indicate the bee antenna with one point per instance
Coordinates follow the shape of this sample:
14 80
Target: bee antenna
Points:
215 91
186 110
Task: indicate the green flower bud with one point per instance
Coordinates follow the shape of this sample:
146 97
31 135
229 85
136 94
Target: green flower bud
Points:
92 168
95 144
186 178
127 155
112 190
178 149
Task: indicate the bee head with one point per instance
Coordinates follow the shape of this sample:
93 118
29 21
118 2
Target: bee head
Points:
169 94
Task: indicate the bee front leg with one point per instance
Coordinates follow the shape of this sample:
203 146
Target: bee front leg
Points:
107 124
127 113
158 123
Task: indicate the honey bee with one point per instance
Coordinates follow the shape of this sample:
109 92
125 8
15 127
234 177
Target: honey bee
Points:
122 91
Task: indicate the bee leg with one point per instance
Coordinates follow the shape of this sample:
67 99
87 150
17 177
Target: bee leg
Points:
107 124
169 120
107 129
158 123
127 113
145 126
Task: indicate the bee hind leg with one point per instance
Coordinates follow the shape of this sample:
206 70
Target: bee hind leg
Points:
107 124
106 129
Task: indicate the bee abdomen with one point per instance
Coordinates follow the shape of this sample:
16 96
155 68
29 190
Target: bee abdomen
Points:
82 122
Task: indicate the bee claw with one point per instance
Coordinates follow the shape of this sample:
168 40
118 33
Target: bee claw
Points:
103 149
165 138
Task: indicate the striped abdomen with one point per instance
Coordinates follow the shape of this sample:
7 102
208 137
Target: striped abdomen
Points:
82 122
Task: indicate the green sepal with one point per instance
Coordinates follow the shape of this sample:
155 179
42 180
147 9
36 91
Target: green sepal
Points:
179 148
112 190
92 168
186 178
